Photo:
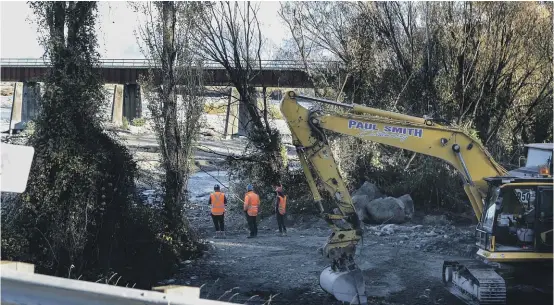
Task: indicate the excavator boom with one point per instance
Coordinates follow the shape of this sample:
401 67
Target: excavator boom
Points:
418 135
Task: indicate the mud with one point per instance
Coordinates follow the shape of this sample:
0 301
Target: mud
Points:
402 266
288 268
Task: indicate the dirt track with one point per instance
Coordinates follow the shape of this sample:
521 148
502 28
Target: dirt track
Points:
395 271
401 266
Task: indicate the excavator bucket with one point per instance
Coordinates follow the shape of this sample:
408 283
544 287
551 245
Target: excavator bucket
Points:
347 286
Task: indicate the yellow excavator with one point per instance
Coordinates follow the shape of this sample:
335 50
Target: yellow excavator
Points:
513 209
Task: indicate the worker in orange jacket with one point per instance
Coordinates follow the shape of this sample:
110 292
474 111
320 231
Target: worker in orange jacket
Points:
218 201
251 209
281 209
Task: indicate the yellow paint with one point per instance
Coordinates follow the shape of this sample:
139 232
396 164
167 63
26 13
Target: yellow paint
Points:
507 257
543 235
387 114
335 217
318 155
519 184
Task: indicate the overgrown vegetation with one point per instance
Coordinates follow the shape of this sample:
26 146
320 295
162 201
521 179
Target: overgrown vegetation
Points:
215 108
485 67
79 216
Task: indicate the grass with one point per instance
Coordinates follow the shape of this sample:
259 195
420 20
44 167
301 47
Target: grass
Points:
215 108
125 124
138 122
221 109
6 90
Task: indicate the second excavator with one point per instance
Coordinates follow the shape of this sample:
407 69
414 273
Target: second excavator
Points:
513 209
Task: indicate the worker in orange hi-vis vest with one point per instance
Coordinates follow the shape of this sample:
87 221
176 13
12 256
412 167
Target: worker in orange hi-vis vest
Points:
251 209
218 200
281 209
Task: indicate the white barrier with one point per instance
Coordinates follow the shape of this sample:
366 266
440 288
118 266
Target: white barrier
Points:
19 286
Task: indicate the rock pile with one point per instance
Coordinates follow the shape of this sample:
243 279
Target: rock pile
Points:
372 207
436 235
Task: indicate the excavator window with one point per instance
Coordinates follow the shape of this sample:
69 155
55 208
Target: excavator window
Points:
546 203
489 218
544 224
511 217
495 203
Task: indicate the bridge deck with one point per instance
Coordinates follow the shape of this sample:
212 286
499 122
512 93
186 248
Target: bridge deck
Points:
272 73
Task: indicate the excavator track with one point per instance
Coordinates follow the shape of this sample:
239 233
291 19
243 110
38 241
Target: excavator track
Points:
474 282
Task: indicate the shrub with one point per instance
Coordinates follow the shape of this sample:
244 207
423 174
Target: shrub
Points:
215 108
275 112
138 122
125 124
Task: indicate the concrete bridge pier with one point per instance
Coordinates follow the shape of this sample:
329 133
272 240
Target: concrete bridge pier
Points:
17 103
26 102
244 119
237 117
117 105
32 95
231 117
127 103
132 104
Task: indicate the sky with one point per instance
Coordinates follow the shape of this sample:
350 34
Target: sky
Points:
117 22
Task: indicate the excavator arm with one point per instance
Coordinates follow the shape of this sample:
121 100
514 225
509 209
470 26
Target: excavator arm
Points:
450 144
308 126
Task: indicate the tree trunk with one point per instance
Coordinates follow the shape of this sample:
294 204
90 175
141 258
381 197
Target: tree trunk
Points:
173 182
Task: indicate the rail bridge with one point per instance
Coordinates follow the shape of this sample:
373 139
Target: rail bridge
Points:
271 73
125 74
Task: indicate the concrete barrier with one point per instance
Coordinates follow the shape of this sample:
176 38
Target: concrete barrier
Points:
21 286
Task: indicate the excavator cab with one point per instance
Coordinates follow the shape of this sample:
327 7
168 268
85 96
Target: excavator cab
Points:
517 214
517 219
514 237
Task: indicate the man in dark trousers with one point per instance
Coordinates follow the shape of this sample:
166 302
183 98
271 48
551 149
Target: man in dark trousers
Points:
281 209
218 201
251 209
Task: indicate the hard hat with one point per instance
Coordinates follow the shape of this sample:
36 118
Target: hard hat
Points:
249 187
216 187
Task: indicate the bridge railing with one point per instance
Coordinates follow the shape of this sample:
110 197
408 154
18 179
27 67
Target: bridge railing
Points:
145 63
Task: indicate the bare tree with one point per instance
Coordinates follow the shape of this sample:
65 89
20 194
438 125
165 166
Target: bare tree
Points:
323 30
484 66
174 88
230 35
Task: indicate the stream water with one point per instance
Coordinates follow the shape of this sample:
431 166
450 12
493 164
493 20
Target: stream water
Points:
201 184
